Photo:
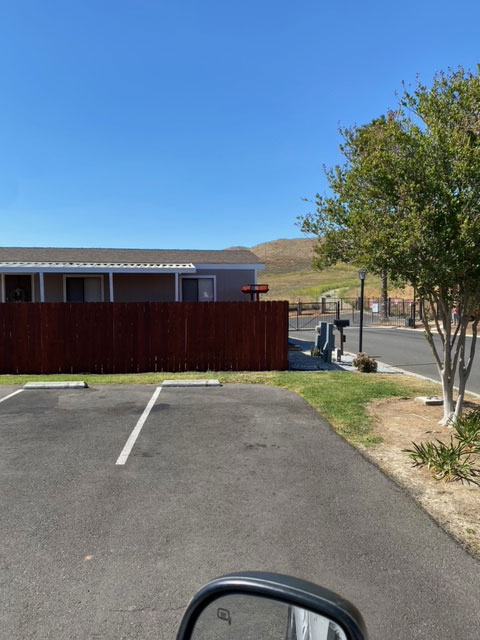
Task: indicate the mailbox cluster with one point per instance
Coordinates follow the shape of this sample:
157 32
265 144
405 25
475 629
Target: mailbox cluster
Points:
325 340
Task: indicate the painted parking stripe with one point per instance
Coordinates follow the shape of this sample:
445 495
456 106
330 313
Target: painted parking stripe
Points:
123 457
10 395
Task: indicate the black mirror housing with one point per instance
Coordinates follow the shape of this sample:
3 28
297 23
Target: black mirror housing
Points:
285 589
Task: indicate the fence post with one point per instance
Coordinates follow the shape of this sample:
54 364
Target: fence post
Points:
324 305
338 309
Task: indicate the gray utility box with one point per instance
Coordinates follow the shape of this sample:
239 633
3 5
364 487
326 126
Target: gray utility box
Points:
325 340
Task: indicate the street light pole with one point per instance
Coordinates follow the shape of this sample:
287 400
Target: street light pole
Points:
361 274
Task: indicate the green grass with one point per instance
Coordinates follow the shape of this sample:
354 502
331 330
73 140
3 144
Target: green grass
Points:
339 396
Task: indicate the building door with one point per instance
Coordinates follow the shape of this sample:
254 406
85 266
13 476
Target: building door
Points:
83 289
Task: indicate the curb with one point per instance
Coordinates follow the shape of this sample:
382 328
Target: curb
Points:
56 385
191 383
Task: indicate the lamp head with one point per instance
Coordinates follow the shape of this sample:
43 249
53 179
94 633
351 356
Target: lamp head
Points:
362 273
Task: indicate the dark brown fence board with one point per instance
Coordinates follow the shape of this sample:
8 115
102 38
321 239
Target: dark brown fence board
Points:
271 338
149 336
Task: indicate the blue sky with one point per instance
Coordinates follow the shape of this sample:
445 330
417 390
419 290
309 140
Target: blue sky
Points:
196 124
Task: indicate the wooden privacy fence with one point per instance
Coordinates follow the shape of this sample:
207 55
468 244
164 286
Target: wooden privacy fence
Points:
116 337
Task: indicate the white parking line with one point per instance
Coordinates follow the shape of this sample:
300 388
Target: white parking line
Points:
122 458
10 395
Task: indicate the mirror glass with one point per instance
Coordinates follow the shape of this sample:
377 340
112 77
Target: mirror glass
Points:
249 617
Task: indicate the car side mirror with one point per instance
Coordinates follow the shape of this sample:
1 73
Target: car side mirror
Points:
269 606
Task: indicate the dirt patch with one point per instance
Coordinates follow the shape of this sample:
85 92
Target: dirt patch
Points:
455 506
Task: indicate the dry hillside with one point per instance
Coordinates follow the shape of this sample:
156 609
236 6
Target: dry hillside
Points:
286 256
289 273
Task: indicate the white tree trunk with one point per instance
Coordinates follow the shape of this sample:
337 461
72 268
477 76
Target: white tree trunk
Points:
448 401
454 359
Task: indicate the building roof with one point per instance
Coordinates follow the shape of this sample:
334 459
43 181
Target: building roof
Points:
124 257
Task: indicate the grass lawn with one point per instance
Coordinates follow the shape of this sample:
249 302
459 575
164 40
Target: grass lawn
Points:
339 396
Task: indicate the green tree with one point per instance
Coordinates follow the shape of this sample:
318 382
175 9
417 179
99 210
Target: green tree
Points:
406 203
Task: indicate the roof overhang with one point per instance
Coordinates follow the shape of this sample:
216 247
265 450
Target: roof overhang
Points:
90 267
210 265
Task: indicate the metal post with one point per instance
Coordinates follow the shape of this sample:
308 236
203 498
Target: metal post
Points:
42 286
177 287
338 310
413 309
110 286
360 340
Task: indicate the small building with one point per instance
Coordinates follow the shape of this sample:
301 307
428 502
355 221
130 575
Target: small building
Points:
37 274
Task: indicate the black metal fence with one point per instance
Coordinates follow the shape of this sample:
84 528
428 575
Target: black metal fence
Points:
398 312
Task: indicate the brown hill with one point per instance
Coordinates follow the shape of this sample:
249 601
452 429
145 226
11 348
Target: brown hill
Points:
285 256
289 273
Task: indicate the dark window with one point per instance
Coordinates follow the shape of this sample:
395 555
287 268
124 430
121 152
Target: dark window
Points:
75 290
190 290
84 289
18 288
197 290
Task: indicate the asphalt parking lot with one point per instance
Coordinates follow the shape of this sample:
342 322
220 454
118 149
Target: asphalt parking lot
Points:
93 545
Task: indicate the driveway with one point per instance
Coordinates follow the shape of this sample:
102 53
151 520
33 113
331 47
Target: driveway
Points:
218 480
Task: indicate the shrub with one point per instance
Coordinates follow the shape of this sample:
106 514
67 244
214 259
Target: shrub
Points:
467 430
450 461
315 351
364 363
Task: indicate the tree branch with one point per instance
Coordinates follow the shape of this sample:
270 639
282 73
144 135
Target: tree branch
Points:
429 337
472 348
434 305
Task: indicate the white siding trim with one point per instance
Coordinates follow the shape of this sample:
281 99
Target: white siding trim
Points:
28 268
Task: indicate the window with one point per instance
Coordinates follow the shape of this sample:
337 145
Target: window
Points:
83 289
18 288
198 289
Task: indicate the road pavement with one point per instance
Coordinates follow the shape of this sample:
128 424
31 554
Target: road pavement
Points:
403 348
240 477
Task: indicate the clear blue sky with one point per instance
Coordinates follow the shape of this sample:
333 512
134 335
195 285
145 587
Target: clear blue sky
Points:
196 124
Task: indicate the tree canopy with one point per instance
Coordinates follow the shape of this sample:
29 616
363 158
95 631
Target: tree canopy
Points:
406 202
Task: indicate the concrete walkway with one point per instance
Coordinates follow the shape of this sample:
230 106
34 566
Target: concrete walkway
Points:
300 359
